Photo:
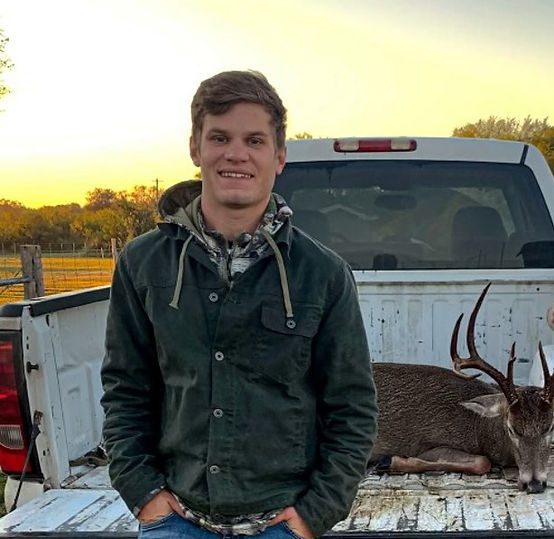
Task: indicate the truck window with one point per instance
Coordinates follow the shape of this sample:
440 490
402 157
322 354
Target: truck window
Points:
422 214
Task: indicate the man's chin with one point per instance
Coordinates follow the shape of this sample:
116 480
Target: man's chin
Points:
241 203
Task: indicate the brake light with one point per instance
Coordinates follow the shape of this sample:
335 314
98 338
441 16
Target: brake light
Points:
399 144
13 445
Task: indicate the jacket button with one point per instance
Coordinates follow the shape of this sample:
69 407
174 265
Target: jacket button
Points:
213 297
214 469
218 412
219 356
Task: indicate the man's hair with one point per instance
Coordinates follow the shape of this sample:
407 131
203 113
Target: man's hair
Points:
219 93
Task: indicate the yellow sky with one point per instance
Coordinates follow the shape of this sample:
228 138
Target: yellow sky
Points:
101 88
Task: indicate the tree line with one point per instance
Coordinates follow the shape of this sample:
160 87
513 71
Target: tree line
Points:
537 132
123 215
107 214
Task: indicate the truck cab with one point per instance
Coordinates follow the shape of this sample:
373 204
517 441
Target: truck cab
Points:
424 223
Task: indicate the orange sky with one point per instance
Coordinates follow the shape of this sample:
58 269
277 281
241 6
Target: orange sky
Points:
101 88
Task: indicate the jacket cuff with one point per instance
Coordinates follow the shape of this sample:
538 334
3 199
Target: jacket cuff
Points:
317 517
141 503
138 490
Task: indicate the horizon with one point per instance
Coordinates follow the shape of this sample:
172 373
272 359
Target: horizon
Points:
101 92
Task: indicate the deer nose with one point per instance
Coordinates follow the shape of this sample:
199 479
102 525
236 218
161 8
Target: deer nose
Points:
535 486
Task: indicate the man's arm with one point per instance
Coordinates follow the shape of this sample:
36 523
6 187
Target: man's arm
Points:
131 400
347 409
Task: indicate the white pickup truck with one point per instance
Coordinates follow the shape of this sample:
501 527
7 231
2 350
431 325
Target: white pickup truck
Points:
424 223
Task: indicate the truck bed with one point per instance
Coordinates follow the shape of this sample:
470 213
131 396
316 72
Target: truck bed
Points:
462 505
401 505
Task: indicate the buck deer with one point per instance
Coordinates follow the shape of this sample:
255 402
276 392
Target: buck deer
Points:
432 418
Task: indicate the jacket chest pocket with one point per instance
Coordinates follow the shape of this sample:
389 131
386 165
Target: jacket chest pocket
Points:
283 346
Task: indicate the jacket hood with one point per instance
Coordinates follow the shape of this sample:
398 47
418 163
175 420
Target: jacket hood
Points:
178 196
179 204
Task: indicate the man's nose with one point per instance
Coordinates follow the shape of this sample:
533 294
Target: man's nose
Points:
236 151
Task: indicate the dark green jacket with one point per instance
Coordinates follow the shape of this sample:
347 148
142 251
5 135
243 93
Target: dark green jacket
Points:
233 407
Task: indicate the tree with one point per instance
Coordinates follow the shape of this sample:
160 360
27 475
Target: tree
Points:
11 214
5 63
302 136
100 198
98 227
537 132
140 207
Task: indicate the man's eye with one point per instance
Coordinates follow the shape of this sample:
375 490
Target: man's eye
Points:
256 141
219 138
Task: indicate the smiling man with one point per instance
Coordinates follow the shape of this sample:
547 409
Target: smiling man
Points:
239 397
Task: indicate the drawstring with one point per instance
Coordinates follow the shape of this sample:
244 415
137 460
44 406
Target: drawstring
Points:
291 324
179 284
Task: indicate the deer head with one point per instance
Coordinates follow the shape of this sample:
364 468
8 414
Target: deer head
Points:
526 413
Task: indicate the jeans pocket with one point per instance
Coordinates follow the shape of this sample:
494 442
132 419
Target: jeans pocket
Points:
157 523
290 531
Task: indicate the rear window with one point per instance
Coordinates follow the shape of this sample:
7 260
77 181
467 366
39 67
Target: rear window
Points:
422 215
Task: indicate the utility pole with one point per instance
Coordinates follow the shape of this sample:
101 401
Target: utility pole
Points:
157 184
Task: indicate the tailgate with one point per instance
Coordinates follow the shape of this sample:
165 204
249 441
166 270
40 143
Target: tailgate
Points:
71 513
403 506
409 316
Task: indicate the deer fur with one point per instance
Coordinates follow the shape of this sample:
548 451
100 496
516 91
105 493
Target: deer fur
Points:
433 418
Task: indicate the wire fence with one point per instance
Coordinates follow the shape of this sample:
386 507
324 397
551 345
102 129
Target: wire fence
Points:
65 267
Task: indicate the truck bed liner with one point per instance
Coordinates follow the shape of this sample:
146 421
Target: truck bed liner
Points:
404 506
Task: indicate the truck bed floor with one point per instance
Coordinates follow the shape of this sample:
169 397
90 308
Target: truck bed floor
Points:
439 504
402 506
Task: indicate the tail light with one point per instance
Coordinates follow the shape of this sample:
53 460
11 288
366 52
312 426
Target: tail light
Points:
13 426
399 144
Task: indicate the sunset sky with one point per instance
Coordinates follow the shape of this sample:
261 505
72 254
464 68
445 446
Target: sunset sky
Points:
101 88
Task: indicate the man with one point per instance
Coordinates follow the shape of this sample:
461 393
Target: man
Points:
238 397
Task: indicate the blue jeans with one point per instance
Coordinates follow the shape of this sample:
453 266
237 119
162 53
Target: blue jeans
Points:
173 526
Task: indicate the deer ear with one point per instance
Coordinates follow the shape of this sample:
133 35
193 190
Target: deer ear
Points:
487 405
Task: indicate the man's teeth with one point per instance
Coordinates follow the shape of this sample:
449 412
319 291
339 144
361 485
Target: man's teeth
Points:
235 175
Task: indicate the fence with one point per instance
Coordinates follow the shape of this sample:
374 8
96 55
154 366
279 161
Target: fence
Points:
60 267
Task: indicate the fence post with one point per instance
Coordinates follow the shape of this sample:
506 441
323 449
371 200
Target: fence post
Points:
31 263
114 251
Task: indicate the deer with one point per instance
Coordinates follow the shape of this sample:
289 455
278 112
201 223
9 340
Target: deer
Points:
436 419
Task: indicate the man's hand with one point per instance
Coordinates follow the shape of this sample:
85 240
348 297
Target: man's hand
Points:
159 506
294 521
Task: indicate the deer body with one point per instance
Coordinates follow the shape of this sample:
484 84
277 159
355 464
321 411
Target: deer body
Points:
435 419
419 410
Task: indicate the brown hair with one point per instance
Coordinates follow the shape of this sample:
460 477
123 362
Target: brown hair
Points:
219 93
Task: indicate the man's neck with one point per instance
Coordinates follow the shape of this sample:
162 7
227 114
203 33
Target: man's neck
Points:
232 222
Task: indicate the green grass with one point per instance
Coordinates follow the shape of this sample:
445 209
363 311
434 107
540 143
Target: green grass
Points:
2 483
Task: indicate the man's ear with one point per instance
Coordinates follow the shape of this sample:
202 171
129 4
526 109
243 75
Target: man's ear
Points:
194 151
487 405
281 160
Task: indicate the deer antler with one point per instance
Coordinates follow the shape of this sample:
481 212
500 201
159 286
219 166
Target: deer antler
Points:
548 389
474 361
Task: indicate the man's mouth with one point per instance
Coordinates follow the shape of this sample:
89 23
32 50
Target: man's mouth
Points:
236 175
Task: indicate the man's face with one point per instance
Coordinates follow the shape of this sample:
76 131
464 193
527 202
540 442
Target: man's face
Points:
238 158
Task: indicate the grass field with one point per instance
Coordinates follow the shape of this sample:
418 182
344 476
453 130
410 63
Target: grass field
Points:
2 483
61 274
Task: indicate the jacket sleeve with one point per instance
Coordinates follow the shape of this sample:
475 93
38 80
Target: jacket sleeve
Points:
131 380
347 409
